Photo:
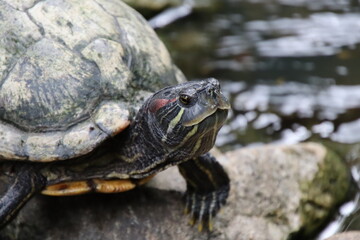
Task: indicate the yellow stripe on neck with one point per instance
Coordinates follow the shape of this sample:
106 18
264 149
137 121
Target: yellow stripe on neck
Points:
175 121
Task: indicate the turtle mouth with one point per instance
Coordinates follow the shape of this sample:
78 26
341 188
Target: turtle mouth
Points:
200 118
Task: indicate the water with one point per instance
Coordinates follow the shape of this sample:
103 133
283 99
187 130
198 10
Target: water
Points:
291 70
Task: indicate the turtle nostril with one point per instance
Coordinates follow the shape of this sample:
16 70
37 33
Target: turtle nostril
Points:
215 83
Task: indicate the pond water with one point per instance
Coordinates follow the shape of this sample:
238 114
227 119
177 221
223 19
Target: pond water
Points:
291 69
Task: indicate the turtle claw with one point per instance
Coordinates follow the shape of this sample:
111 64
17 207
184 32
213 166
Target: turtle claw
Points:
200 227
210 225
186 211
202 207
192 221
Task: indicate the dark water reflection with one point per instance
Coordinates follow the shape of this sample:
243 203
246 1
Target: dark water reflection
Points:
290 67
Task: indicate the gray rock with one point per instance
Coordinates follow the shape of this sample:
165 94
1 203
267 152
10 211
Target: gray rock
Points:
282 190
355 235
275 191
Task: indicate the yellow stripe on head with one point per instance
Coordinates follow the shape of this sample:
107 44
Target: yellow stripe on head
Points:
175 121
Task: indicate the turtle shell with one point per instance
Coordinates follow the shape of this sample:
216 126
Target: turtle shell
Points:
72 73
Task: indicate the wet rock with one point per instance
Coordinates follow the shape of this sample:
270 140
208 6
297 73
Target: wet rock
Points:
346 236
289 190
275 192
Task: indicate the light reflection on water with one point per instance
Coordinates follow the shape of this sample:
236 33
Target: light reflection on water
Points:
320 108
290 68
320 34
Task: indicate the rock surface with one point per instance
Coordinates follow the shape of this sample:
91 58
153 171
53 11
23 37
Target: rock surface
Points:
283 190
355 235
275 191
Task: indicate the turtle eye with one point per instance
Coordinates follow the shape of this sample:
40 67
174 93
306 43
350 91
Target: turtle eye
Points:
185 99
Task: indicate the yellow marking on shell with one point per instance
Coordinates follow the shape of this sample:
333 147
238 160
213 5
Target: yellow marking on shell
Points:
211 225
145 180
94 185
120 185
113 186
175 120
67 189
115 174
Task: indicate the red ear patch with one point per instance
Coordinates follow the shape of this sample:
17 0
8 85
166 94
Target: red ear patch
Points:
159 103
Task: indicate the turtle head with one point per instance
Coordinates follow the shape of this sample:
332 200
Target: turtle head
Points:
188 116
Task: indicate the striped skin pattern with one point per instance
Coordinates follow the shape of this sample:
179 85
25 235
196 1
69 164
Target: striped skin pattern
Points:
207 189
176 126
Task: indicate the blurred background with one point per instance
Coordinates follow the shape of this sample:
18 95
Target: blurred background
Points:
291 69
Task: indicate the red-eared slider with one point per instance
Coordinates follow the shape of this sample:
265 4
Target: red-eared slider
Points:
72 78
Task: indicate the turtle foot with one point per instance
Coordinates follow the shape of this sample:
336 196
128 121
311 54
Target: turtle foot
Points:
202 207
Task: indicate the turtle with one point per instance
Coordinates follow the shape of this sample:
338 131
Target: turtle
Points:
176 126
81 110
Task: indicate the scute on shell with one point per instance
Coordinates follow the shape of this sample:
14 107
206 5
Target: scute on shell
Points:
72 73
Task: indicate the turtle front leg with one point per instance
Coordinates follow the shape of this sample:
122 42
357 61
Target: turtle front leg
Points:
208 187
26 183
